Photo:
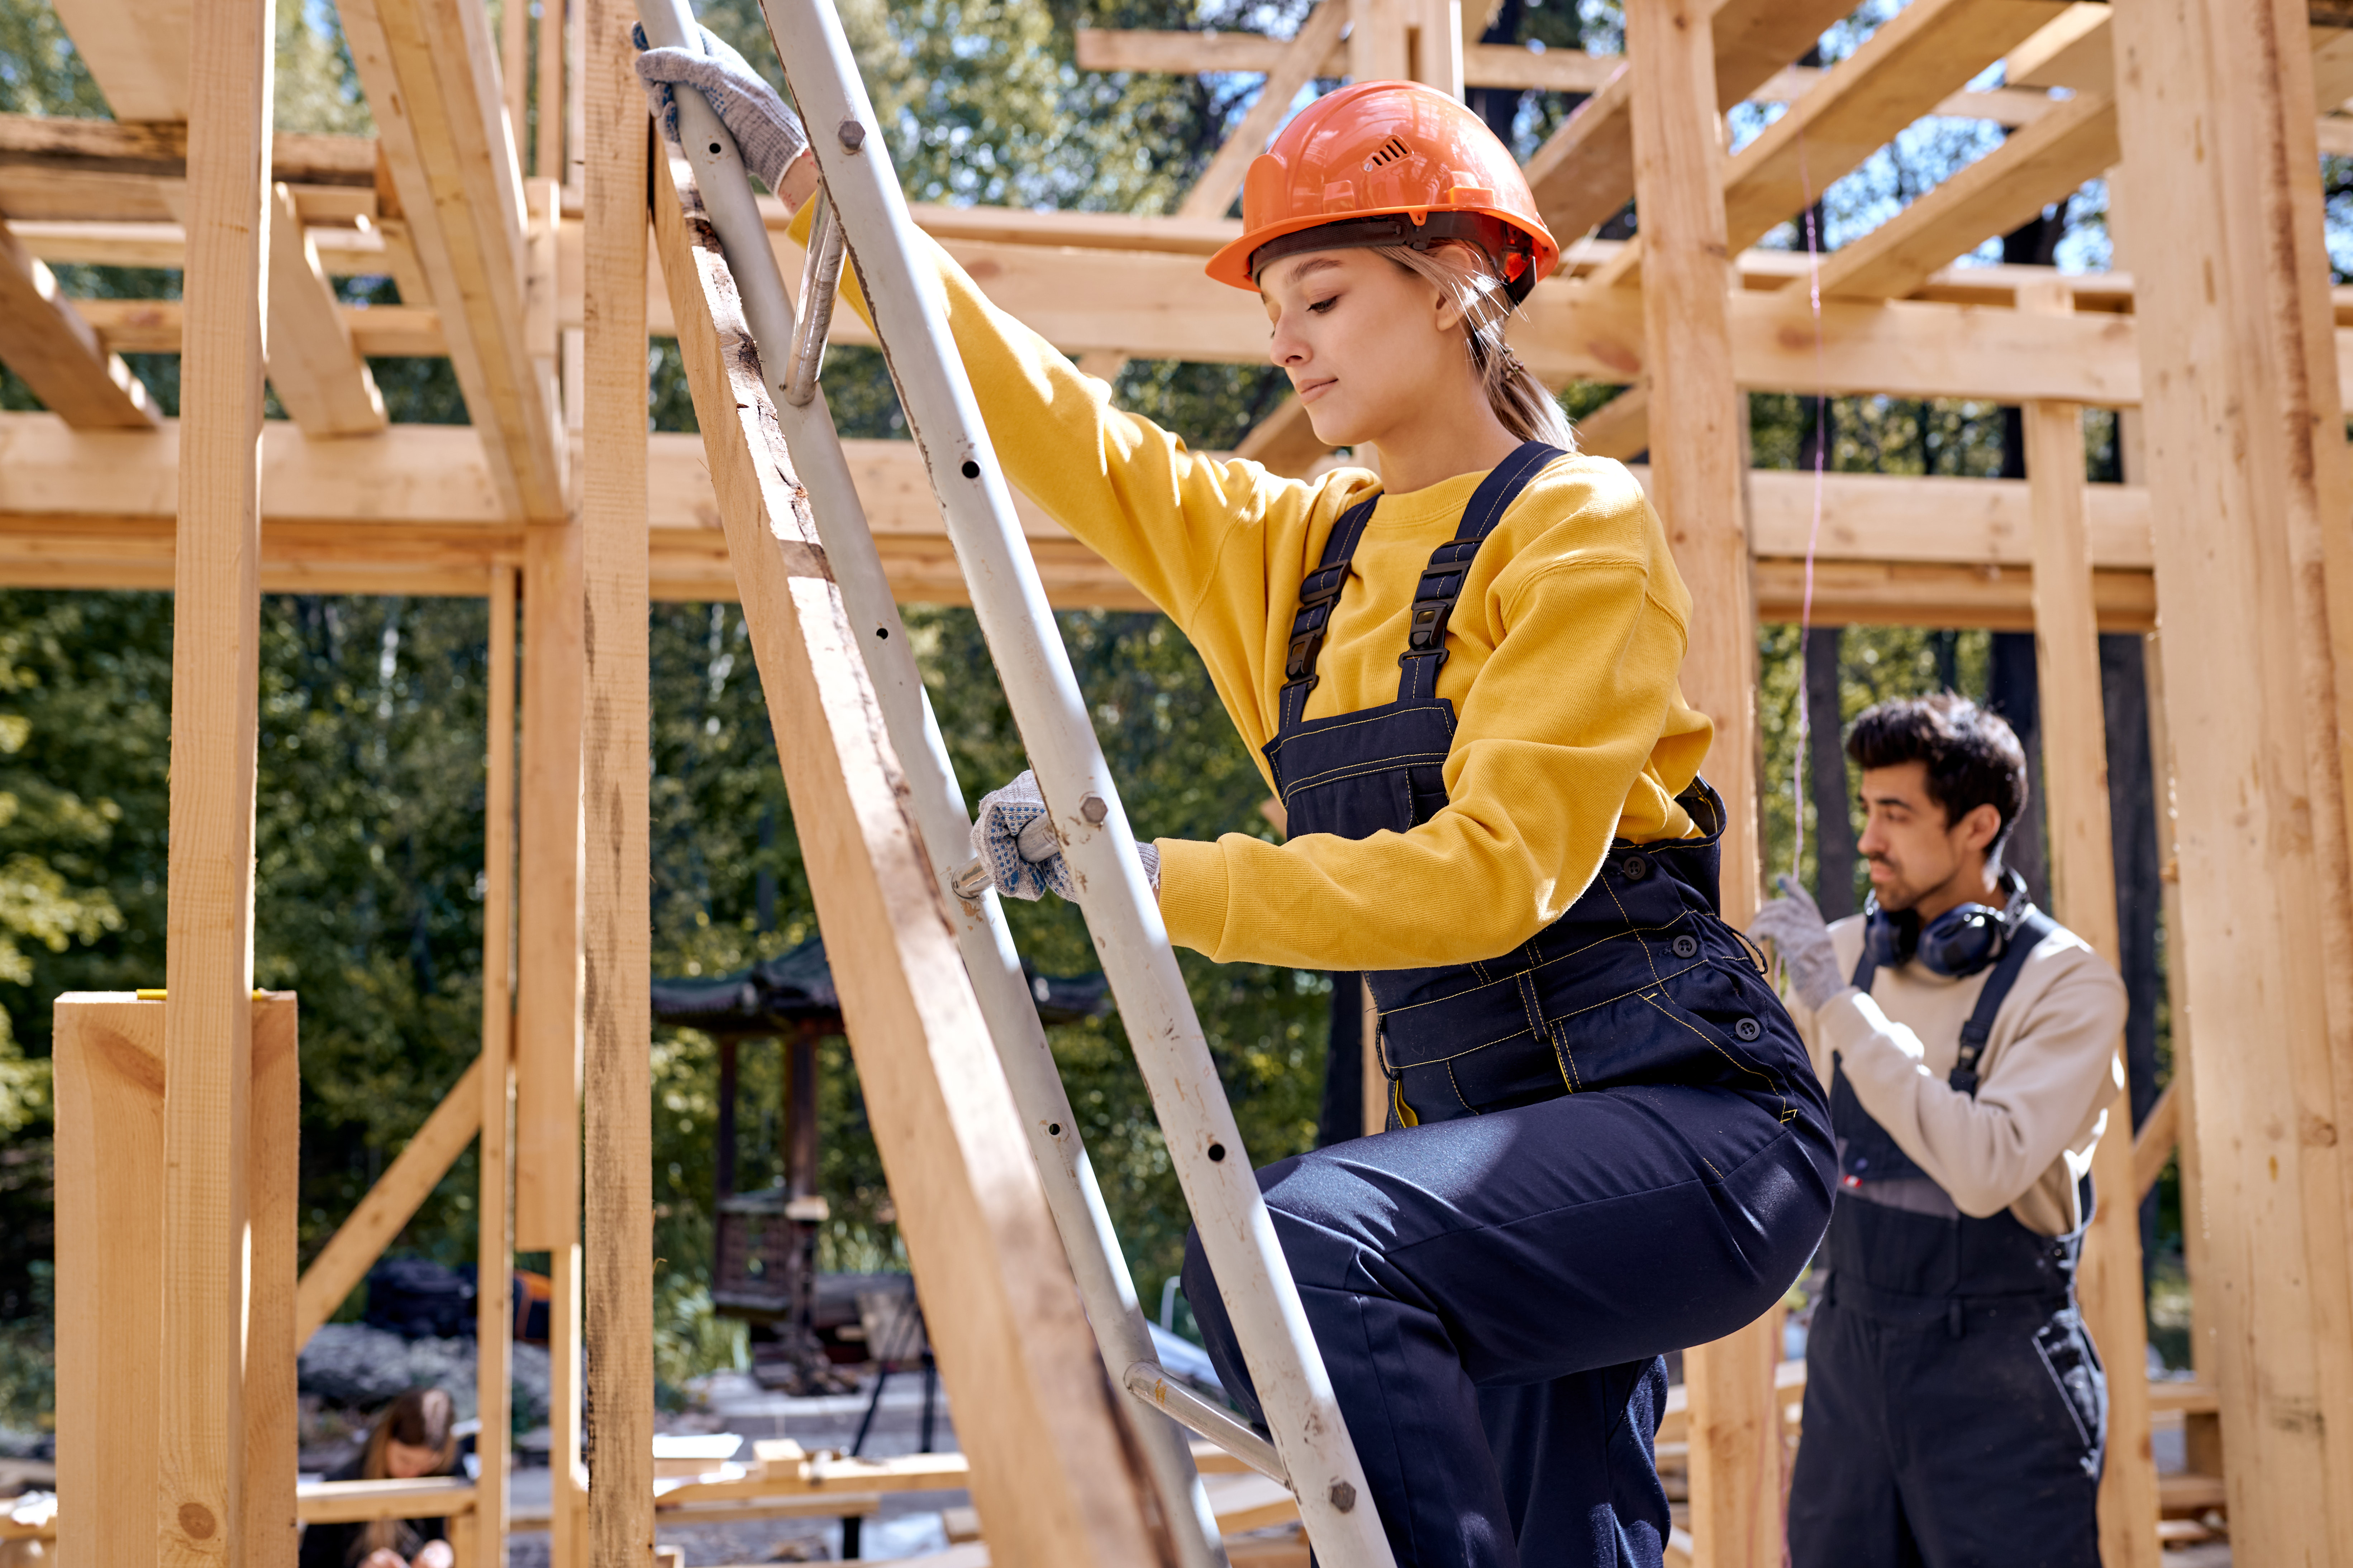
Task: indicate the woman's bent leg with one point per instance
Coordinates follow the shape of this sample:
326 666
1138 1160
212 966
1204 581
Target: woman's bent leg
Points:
1547 1242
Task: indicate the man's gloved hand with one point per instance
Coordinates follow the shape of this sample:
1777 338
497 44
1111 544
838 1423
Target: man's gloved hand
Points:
768 134
997 839
1795 927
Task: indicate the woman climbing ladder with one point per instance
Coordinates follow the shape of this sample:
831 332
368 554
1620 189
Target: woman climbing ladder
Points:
1606 1141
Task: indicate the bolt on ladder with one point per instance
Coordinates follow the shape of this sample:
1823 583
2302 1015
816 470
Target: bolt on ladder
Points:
863 215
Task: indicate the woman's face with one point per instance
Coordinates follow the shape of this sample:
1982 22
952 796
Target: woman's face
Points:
405 1463
1366 345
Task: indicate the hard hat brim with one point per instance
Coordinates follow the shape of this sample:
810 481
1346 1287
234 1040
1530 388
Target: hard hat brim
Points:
1233 263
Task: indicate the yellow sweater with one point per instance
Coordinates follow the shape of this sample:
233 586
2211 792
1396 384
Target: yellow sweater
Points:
1565 649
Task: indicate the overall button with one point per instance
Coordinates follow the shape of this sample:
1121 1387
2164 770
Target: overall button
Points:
1748 1030
1634 868
1686 947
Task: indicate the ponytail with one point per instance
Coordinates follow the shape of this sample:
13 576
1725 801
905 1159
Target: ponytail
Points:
1524 405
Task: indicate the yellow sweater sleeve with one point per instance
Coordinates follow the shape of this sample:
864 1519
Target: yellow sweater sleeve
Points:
1551 741
1570 727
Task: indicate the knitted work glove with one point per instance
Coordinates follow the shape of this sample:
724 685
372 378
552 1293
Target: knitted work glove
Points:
768 134
997 832
1802 938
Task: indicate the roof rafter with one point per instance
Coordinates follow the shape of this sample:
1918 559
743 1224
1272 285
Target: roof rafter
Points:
429 68
1903 71
1583 175
321 378
57 353
137 52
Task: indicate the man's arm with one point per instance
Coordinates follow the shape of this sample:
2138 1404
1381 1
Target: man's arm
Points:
1988 1150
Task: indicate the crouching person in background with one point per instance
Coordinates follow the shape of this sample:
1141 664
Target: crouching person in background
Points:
1955 1406
414 1436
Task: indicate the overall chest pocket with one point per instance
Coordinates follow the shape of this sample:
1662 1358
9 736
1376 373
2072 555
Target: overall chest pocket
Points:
1354 774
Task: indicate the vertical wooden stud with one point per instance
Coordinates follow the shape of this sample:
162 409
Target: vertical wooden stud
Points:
208 951
273 1177
1438 27
547 959
1377 40
109 1244
549 162
1698 462
494 1268
2249 489
568 1480
1376 1082
618 1234
2202 1431
2083 895
109 1052
515 74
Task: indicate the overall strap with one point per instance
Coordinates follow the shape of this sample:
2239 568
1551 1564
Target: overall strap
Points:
1319 591
1450 566
2024 938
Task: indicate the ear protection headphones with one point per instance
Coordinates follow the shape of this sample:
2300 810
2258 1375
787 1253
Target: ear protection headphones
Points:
1956 944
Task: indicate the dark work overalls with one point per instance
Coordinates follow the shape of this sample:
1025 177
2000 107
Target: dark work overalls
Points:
1605 1145
1955 1406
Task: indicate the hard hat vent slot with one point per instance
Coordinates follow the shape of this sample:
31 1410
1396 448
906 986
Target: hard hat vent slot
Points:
1388 151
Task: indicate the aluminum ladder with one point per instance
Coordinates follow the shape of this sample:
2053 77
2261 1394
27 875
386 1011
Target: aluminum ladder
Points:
862 214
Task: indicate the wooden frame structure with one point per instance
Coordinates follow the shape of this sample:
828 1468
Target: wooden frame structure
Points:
2224 345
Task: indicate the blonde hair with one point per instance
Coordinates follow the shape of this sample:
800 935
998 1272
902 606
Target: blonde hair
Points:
1525 404
420 1418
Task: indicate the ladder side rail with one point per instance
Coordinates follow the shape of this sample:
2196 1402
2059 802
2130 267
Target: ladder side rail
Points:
1237 1231
1073 1194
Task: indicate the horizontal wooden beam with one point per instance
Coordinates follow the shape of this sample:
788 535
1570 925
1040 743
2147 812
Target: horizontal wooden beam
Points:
36 191
57 353
69 146
413 511
378 331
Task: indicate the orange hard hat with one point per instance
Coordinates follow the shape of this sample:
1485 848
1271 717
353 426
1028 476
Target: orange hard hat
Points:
1388 162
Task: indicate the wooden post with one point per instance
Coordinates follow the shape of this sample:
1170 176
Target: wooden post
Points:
199 1501
617 918
111 1097
273 1180
2249 489
494 1268
2202 1431
2083 895
1437 44
515 74
548 160
1376 1092
1698 460
1377 40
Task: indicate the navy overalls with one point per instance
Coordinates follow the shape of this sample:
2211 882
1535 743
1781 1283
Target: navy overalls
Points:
1955 1406
1603 1145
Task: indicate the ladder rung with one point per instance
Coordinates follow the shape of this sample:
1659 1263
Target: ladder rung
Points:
1147 1381
820 282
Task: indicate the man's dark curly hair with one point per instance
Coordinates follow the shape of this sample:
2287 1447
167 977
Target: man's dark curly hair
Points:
1973 757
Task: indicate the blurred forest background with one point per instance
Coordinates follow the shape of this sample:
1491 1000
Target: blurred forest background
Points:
372 709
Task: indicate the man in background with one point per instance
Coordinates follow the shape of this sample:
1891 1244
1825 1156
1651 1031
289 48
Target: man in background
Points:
1955 1406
